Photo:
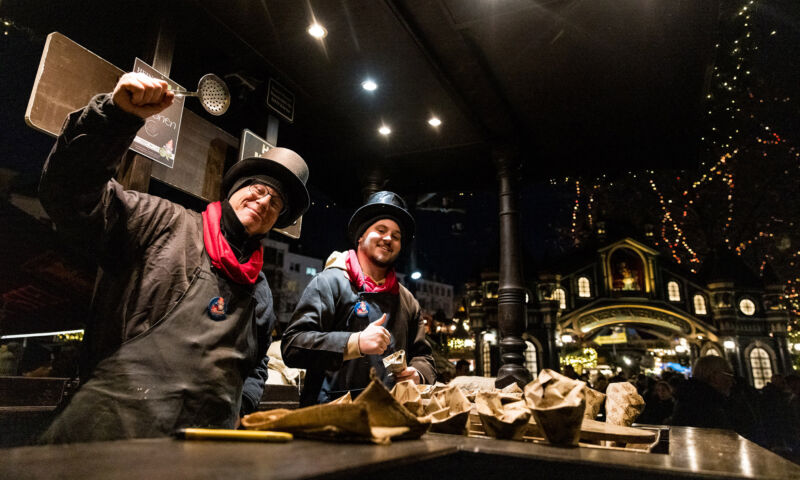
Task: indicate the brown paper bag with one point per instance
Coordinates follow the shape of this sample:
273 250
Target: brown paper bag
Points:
372 417
328 421
623 404
594 400
396 362
558 405
407 395
505 421
385 412
454 416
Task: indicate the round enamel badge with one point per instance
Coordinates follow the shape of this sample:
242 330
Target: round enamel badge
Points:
361 308
216 308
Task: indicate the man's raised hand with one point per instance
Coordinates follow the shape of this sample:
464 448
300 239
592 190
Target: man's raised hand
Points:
141 95
374 339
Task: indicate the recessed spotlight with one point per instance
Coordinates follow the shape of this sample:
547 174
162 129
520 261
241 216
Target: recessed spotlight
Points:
434 121
369 85
384 130
317 31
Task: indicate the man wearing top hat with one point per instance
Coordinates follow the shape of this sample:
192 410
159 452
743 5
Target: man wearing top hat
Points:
182 314
355 312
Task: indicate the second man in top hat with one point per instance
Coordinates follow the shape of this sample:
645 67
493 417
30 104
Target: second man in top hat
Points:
355 312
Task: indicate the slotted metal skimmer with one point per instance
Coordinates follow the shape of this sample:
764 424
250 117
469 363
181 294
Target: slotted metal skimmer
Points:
213 94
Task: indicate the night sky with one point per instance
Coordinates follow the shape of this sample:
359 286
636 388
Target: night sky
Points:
452 246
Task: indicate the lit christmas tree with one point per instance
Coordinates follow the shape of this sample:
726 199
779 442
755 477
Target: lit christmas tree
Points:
745 195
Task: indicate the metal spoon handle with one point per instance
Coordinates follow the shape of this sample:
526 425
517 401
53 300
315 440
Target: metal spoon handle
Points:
187 94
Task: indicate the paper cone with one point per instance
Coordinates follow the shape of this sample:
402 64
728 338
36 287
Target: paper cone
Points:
502 421
558 405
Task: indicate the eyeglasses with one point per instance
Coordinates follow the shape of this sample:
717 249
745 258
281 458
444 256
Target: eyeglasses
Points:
261 191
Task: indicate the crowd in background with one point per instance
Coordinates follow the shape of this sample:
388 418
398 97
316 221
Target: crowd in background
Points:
713 397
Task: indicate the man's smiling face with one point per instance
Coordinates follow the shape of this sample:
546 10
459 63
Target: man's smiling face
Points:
381 242
257 213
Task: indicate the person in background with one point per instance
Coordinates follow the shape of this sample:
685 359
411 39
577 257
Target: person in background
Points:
701 401
659 405
600 383
462 368
162 349
355 312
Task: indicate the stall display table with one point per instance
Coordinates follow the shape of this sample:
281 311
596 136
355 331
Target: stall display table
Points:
693 453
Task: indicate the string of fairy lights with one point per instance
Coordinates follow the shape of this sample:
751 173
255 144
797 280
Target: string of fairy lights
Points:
736 135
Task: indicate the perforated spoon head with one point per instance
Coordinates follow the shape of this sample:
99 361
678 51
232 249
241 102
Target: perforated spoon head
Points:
213 94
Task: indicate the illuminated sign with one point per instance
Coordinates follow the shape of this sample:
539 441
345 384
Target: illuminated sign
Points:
616 315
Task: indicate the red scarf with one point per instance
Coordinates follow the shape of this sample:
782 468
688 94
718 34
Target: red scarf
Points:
222 257
361 280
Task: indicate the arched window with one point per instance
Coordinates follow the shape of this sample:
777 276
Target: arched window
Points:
700 305
761 366
584 288
747 306
487 359
560 295
673 292
530 359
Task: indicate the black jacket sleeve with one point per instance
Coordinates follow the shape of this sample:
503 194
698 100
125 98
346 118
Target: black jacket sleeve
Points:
265 322
419 350
88 207
313 340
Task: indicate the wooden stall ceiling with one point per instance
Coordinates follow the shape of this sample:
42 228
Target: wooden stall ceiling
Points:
69 75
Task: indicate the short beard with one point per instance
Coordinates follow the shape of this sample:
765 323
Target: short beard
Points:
381 263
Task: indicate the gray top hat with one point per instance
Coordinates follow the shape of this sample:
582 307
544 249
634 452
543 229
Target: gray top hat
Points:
288 168
382 205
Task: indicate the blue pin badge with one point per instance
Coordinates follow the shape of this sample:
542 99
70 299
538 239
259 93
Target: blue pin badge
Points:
361 308
216 308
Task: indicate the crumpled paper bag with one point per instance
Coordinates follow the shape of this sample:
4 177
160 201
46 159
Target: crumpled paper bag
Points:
623 404
558 404
453 415
407 395
374 416
594 401
386 414
505 421
396 362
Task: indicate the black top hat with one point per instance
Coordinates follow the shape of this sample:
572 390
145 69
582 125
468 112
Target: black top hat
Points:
288 168
382 205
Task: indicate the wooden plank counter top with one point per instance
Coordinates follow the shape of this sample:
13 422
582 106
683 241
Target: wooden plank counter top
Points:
694 453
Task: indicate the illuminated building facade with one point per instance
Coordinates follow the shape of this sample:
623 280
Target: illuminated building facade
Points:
623 307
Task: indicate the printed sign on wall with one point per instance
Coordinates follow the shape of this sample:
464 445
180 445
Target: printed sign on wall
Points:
158 139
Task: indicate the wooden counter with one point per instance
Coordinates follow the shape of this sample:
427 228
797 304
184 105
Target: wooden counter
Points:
694 453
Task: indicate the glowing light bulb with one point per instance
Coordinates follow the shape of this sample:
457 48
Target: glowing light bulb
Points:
317 31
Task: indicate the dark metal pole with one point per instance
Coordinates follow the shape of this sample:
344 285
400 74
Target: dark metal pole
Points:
511 293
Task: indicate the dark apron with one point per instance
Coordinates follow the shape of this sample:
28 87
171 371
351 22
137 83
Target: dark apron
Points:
185 371
353 376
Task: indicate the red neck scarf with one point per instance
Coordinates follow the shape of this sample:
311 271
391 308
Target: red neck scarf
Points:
361 280
222 257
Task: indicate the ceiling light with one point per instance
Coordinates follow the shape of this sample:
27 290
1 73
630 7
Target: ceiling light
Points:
384 130
369 85
434 122
317 31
